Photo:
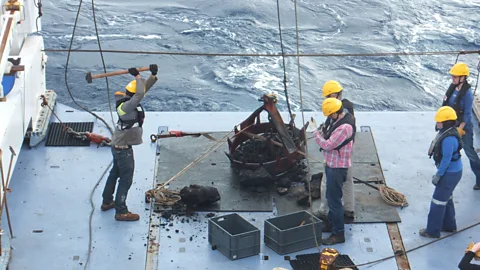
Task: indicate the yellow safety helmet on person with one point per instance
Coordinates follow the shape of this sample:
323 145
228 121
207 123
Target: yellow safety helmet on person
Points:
331 87
331 106
445 113
460 69
132 86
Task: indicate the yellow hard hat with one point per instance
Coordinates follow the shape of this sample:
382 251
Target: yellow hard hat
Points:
460 69
331 106
445 113
331 87
132 86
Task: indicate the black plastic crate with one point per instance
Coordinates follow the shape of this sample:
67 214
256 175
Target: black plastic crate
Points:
234 236
292 232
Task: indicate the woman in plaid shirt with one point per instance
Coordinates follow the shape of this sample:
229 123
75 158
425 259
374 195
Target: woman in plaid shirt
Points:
336 141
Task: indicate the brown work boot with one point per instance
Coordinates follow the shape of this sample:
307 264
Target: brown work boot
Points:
349 217
349 214
326 226
334 239
107 206
424 233
127 217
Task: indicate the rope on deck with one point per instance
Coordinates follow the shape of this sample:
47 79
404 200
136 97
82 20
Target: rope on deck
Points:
392 197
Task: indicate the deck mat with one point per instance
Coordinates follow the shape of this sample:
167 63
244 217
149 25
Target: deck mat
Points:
369 205
58 137
311 262
215 171
177 153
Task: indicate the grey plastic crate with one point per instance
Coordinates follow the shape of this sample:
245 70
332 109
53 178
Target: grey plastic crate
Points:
288 234
292 247
234 236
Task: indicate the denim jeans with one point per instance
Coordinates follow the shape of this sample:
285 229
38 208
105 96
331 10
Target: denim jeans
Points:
123 168
442 211
470 152
348 195
335 179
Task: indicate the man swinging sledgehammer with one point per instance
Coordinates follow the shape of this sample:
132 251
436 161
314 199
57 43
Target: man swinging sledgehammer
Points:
128 132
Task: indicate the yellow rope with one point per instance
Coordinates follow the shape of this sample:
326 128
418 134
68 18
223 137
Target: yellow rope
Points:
392 197
164 196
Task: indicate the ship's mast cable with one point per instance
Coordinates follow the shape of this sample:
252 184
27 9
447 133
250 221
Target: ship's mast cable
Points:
90 231
66 73
283 59
103 61
92 113
305 130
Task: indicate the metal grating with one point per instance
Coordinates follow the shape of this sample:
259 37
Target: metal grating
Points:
311 262
58 137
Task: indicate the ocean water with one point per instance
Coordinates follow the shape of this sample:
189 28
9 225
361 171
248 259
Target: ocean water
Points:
199 83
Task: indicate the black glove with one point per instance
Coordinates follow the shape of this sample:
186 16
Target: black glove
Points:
133 71
154 69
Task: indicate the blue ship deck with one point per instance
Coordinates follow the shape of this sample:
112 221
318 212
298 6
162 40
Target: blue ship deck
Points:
51 188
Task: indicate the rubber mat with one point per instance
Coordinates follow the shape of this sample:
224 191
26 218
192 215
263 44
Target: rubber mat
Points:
58 137
369 205
214 171
311 262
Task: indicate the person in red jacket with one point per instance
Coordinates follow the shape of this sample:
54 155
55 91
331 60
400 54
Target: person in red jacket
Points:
473 251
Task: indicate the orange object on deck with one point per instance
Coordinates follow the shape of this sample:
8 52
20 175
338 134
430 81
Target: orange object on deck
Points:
96 138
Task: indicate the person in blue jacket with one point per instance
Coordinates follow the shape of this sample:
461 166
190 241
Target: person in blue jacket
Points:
445 149
459 96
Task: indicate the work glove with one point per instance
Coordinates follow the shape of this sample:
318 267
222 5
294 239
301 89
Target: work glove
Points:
461 131
476 247
435 179
323 128
133 71
313 123
154 69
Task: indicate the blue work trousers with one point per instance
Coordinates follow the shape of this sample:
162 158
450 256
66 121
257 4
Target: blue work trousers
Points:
442 212
123 168
335 179
469 149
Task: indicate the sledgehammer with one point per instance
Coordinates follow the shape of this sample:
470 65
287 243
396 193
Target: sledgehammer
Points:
90 77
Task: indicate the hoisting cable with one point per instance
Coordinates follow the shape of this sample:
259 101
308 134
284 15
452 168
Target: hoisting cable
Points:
103 61
38 5
269 54
456 59
305 131
90 230
66 72
283 59
478 76
89 251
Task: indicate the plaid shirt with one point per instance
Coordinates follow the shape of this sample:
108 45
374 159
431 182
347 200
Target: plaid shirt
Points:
334 158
